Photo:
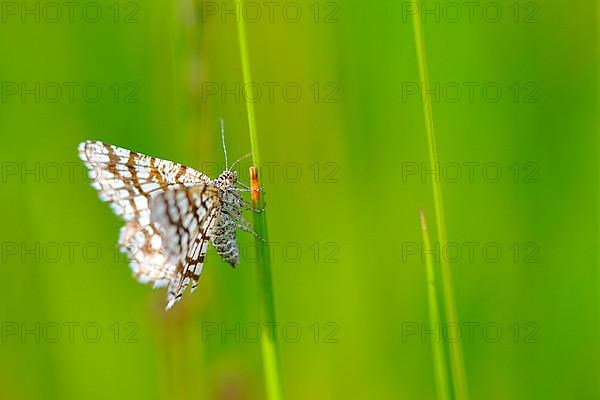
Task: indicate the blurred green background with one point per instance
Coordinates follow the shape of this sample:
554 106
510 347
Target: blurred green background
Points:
353 212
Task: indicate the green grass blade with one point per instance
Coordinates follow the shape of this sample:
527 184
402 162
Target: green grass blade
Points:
247 79
439 356
265 288
456 356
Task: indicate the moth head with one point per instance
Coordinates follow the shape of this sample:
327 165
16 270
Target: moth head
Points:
228 177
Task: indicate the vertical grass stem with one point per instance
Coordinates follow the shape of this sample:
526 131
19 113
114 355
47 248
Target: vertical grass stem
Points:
456 355
269 345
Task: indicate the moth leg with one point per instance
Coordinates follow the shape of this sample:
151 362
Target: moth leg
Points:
248 206
248 189
244 225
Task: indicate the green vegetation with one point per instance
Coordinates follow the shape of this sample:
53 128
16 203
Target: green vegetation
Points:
345 159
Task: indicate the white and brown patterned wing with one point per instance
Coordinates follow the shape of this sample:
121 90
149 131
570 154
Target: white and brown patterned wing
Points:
128 181
186 217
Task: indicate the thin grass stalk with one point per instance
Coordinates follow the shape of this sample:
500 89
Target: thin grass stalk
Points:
456 355
269 345
439 356
247 79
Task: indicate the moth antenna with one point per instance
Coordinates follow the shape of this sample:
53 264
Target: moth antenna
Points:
241 158
223 142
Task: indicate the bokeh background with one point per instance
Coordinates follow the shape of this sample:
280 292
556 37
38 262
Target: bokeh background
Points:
352 211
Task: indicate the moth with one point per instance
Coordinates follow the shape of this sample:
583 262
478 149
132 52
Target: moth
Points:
171 212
